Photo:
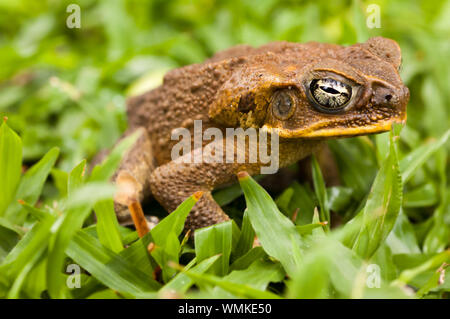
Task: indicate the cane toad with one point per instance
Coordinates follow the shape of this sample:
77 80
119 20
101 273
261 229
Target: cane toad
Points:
304 93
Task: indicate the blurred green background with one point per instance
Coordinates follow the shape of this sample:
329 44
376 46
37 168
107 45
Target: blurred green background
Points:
67 87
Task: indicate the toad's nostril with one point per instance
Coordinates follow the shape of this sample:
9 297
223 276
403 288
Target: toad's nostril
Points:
388 97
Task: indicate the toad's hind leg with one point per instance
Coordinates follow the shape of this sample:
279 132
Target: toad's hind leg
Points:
138 162
174 181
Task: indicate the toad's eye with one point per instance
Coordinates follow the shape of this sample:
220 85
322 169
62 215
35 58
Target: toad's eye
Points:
283 103
330 95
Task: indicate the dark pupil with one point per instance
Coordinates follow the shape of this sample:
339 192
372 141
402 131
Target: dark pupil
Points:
329 90
283 103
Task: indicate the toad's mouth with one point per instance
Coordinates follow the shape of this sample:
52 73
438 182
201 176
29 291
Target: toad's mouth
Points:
324 130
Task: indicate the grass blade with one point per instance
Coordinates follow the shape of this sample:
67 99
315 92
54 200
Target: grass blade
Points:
165 235
246 260
33 243
321 192
75 179
10 165
213 240
382 206
111 269
276 233
78 208
433 263
246 238
181 282
108 226
410 163
258 275
240 290
30 186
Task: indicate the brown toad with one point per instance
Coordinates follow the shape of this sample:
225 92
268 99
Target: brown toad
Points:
303 93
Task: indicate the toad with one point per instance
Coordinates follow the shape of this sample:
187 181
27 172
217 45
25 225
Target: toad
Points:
302 93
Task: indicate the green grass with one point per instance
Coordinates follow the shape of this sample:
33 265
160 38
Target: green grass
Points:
63 91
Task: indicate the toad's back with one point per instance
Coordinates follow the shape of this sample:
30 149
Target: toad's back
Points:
188 92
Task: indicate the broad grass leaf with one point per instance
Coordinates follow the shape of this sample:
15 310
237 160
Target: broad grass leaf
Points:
317 232
229 194
258 276
27 250
383 258
19 279
8 225
10 165
75 178
432 263
38 214
8 239
104 294
275 232
435 280
174 222
311 281
246 260
339 198
60 178
382 206
89 285
307 229
108 226
438 237
182 282
344 268
382 146
77 209
237 289
326 264
4 285
213 240
34 283
109 268
165 236
246 238
402 239
416 158
137 254
422 196
166 254
305 200
30 186
283 201
89 194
